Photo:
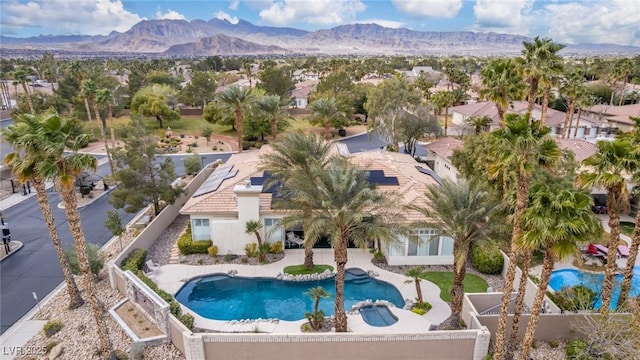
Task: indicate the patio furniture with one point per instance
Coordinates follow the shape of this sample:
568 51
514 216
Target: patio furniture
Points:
597 250
623 251
151 267
293 239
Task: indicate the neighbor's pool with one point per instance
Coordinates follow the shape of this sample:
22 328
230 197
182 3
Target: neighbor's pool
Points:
221 297
571 277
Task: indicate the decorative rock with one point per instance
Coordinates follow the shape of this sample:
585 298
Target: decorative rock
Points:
56 352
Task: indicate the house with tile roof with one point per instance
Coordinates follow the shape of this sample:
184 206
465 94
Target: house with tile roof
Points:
439 154
616 117
234 194
300 93
589 128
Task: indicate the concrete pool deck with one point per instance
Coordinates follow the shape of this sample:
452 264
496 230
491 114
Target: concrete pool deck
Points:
170 278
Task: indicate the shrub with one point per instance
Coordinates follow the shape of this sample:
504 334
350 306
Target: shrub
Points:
187 320
189 149
120 355
553 343
245 145
96 259
192 164
378 255
52 327
187 246
251 250
575 298
276 248
252 143
342 132
486 258
258 145
577 350
212 250
135 260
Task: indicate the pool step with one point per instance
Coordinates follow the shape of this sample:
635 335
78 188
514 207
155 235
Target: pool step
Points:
361 281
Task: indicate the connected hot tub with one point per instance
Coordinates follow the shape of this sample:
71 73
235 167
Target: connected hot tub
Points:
378 315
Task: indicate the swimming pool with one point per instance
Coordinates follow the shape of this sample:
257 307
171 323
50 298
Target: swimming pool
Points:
571 277
221 297
378 315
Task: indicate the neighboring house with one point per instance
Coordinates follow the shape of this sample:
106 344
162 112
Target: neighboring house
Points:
439 154
304 75
616 117
589 129
300 94
233 194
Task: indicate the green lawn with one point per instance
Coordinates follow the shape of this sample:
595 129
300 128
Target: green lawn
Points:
627 228
302 270
444 280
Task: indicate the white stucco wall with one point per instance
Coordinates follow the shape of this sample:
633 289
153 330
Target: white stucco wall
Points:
444 168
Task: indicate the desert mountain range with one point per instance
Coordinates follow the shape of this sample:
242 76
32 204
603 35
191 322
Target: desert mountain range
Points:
220 37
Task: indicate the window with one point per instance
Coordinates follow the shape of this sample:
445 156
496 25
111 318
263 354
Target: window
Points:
273 230
200 229
427 245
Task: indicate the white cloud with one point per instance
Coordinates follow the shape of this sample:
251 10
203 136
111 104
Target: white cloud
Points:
221 15
69 17
233 4
317 12
602 21
386 23
429 8
169 15
501 13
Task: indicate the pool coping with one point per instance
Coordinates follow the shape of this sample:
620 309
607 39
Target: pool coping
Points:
172 277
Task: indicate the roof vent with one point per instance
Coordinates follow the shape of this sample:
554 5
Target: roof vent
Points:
247 183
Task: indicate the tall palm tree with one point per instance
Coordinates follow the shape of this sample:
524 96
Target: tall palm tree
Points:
519 147
572 87
325 111
21 135
78 72
271 106
296 156
416 274
607 168
548 80
347 208
444 99
501 84
104 97
538 57
462 211
635 237
91 93
55 135
583 101
237 99
555 223
20 75
626 69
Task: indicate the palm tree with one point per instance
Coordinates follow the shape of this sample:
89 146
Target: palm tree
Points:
549 79
21 135
519 147
501 84
325 111
315 318
295 157
416 274
79 73
479 123
104 97
347 208
635 238
555 223
54 135
572 87
274 110
462 211
254 227
626 69
607 168
538 57
237 99
444 99
20 75
583 101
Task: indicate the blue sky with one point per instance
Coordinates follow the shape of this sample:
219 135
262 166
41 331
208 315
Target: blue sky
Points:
569 21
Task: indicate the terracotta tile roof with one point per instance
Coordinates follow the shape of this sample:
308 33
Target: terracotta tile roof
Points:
444 147
624 110
580 148
411 186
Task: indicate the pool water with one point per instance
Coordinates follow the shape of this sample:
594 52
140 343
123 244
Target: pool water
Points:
221 297
571 277
378 316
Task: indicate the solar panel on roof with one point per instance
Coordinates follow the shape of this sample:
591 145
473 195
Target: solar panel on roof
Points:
215 179
430 173
376 173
